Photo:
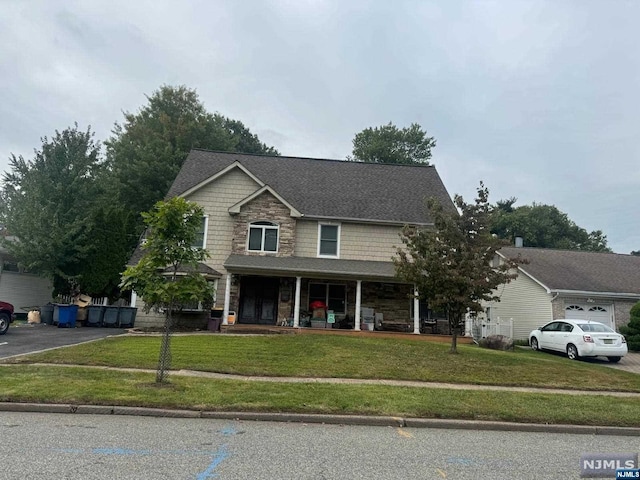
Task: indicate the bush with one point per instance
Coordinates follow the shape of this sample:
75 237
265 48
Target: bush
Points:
631 331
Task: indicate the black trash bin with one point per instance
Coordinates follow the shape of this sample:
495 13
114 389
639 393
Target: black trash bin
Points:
46 314
110 317
127 317
215 319
95 313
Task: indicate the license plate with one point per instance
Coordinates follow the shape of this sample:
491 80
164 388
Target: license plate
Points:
608 341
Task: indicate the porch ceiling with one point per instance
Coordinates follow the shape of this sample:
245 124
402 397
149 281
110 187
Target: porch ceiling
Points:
311 267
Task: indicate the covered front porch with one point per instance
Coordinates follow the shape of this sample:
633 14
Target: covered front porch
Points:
352 294
276 330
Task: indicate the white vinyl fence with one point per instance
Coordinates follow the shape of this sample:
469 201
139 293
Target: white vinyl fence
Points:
483 327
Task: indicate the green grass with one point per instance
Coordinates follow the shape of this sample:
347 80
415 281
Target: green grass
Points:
349 357
23 383
326 356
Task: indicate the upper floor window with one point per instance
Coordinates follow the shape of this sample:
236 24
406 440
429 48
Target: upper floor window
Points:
263 237
200 240
328 240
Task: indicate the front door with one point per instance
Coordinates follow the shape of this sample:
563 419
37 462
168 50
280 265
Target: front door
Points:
259 300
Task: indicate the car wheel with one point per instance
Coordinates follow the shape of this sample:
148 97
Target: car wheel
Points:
4 323
534 344
614 359
572 352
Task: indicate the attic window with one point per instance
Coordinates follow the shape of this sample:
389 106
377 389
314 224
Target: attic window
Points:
263 237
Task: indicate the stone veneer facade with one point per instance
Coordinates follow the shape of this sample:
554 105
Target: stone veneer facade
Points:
265 208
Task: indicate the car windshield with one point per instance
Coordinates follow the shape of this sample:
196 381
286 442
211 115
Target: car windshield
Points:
594 327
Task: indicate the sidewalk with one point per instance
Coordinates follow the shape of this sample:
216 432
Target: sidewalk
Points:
352 381
334 419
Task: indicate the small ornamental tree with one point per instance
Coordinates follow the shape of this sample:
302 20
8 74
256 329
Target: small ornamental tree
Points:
451 264
166 276
631 331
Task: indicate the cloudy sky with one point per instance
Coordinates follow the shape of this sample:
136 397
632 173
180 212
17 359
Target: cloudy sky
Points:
539 99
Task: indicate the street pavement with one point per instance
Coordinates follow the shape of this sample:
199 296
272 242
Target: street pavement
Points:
85 447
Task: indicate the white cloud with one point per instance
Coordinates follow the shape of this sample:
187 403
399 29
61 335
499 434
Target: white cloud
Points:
536 98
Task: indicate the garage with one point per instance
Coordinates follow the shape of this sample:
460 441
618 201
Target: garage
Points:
588 311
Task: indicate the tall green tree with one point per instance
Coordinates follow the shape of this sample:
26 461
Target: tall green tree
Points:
147 150
243 140
390 144
543 226
452 263
166 276
48 206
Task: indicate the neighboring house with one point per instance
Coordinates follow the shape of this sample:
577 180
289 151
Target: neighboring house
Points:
22 290
283 232
567 284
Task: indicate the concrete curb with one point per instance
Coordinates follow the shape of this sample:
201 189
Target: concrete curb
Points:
362 420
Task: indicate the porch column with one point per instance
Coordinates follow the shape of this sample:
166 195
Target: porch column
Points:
416 311
358 300
134 297
227 300
296 304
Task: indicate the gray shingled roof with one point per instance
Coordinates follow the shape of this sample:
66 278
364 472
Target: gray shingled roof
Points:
330 188
199 268
308 266
581 271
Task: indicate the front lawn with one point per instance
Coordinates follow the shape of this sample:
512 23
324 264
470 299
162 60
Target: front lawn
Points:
77 385
349 357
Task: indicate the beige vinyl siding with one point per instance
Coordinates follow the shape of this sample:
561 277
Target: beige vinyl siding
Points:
216 198
357 241
524 301
24 290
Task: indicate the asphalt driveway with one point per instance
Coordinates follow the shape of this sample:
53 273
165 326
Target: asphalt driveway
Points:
630 362
21 339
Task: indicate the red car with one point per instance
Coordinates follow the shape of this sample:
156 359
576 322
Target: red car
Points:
6 316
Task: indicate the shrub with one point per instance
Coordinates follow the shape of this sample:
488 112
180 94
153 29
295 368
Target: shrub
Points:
631 331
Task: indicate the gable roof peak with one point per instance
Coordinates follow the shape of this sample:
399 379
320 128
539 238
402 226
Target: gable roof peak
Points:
326 188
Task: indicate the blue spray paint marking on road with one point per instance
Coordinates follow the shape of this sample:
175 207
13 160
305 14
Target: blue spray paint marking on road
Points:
221 454
119 451
228 431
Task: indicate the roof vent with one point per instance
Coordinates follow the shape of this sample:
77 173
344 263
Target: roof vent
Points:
519 242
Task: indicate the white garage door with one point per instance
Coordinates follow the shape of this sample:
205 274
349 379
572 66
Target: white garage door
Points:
589 311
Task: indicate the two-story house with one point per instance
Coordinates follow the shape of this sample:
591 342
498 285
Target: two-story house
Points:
285 232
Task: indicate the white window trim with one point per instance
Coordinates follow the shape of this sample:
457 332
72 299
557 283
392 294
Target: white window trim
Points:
206 229
332 224
326 294
272 226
